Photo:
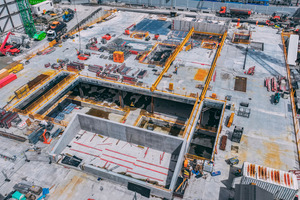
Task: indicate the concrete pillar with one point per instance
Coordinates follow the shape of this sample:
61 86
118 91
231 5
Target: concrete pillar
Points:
121 99
152 104
80 91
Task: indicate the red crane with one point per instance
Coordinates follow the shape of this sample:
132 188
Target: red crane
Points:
8 48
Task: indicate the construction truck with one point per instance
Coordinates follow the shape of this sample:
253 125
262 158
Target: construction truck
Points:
7 48
56 30
233 13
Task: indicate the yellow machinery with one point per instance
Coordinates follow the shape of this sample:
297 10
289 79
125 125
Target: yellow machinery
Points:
16 68
118 56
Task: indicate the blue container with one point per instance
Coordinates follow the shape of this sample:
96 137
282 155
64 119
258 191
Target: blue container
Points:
216 173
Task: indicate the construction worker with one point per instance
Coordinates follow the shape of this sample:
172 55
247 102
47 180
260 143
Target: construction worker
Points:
175 72
186 173
132 104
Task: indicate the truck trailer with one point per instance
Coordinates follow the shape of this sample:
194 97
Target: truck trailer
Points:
234 13
283 185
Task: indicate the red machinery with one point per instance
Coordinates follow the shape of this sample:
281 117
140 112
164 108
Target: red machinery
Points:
127 32
107 36
277 17
250 71
8 48
45 137
83 56
156 36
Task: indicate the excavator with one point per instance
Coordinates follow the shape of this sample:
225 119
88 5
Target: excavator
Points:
12 50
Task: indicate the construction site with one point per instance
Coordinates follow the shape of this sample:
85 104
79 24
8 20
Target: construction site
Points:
118 101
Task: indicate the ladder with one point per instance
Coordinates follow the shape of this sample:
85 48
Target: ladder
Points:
26 16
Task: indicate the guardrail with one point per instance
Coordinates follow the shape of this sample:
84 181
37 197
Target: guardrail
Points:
292 92
212 69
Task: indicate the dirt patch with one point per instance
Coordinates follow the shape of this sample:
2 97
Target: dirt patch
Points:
98 113
272 155
201 74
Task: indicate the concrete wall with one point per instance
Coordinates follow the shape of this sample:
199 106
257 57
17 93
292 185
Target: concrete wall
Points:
125 180
158 94
66 138
139 136
204 5
129 133
203 25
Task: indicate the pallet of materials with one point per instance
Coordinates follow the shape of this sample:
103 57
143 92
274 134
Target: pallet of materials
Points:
12 136
142 74
95 68
75 66
7 80
129 79
3 73
69 108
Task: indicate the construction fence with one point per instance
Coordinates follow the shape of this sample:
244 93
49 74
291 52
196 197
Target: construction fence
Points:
205 5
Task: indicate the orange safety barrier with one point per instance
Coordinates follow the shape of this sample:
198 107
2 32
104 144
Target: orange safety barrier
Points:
230 120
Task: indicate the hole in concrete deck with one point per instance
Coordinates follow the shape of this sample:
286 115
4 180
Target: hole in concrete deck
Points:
203 142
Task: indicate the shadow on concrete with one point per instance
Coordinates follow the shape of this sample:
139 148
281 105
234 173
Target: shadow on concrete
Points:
229 181
261 59
225 194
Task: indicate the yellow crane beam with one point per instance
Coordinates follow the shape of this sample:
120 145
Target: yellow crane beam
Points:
212 69
171 59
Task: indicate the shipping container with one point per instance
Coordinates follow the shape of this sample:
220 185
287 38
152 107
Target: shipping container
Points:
283 185
7 80
3 73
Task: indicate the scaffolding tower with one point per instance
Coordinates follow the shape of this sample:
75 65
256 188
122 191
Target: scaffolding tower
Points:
26 16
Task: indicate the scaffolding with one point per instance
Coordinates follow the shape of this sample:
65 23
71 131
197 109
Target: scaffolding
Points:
26 16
